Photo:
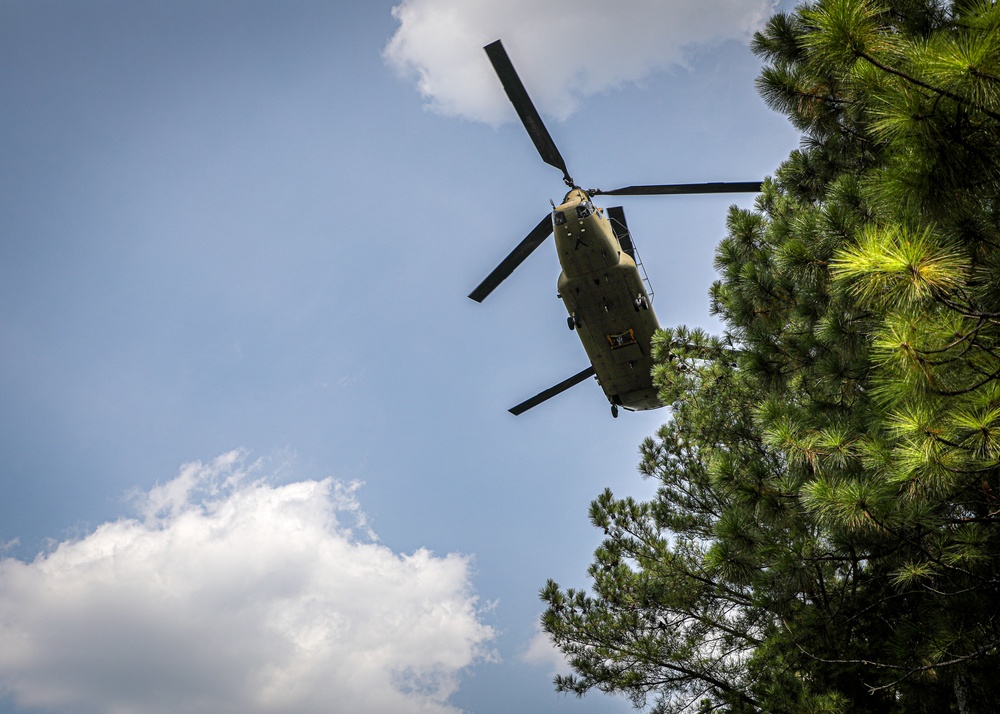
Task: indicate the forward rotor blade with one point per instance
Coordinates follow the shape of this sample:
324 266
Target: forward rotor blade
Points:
534 239
681 188
552 391
518 96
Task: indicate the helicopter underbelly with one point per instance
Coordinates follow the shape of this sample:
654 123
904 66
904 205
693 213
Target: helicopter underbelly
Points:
615 331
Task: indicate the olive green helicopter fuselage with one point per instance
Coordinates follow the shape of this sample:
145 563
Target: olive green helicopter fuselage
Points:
607 301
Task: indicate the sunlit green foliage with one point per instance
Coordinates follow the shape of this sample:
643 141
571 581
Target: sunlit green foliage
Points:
826 533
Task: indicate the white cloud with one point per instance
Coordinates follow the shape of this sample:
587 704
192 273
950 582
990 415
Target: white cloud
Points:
543 653
563 50
229 594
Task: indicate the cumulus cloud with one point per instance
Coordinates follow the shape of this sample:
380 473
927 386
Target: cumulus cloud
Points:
541 652
563 50
228 594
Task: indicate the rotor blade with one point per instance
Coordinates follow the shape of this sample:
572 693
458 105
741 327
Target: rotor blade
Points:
518 96
681 188
552 391
534 239
616 214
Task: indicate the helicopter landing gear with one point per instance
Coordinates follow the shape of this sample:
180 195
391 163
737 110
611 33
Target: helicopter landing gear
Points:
616 401
640 303
574 321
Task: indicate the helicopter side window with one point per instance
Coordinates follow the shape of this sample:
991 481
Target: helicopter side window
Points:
558 218
584 209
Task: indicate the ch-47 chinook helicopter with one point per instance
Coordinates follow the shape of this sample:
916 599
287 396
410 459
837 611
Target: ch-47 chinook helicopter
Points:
601 285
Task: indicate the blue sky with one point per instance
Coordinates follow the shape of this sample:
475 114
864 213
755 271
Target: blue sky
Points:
255 448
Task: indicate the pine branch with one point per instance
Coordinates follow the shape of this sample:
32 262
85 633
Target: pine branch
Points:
913 80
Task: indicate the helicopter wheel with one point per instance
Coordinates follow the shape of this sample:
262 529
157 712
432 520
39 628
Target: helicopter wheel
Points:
640 303
614 411
578 320
570 322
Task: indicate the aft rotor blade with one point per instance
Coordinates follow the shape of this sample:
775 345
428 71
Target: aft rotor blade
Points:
534 239
616 214
552 391
681 188
518 96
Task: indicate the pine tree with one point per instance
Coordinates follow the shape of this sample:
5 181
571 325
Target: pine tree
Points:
826 532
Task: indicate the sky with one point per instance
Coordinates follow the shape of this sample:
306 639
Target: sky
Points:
254 445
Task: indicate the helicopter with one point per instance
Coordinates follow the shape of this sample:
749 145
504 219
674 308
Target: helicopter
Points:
602 283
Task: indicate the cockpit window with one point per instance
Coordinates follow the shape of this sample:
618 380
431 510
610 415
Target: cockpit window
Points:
584 209
558 218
